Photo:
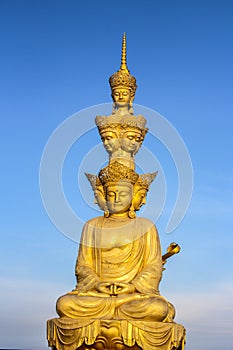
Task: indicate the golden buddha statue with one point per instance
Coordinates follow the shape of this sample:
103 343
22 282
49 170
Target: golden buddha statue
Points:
116 303
119 265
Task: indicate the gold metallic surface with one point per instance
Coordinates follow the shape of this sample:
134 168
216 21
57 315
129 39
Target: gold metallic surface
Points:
122 78
173 248
116 303
123 54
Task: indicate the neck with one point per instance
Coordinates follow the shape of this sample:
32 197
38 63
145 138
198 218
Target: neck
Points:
122 110
119 215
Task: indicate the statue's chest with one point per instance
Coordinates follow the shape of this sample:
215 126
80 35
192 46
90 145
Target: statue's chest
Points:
115 240
116 235
114 259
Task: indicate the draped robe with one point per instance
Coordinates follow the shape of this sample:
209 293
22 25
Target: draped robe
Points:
132 256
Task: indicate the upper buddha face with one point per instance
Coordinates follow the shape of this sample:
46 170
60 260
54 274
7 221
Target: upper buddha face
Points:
119 197
121 97
131 141
139 197
110 141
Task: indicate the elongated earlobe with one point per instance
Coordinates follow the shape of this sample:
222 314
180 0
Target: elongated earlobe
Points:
113 108
131 212
106 213
131 108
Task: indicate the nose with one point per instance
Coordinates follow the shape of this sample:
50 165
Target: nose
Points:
117 197
144 200
121 95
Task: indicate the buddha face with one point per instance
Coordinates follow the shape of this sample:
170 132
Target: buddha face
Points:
131 141
139 197
110 141
119 197
100 197
121 97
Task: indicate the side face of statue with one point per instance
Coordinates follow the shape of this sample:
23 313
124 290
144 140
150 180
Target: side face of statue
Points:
128 141
131 141
110 141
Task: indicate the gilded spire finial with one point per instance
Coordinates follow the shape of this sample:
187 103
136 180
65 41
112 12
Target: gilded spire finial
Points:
123 78
123 55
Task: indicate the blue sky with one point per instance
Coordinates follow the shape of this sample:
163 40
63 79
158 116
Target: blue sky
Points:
56 58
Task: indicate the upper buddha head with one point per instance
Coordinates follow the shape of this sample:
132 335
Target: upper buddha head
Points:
123 84
110 140
131 140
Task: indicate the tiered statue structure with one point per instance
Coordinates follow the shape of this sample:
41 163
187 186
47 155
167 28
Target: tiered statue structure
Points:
116 303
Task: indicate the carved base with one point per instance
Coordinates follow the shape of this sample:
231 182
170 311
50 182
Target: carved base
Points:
71 334
110 338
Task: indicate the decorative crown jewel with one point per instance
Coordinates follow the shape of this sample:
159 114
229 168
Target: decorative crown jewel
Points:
116 172
144 180
123 77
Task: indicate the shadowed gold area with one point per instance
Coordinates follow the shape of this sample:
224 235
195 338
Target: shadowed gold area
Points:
116 303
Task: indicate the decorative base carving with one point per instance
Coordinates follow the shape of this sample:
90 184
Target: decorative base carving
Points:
109 338
72 334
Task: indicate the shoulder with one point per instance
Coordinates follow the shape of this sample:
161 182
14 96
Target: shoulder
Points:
96 219
93 222
89 230
146 223
146 227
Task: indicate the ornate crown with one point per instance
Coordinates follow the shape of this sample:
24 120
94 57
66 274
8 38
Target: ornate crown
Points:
113 122
123 78
116 172
94 180
144 180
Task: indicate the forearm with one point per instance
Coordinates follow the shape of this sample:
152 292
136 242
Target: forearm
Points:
147 281
86 279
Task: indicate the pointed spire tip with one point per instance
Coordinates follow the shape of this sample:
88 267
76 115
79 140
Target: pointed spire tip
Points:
123 54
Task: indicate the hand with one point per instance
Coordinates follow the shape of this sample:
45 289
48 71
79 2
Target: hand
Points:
104 287
115 288
124 288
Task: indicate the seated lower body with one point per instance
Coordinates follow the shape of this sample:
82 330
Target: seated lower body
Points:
137 306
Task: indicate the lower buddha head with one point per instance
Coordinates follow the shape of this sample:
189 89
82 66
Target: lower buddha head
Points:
100 197
119 196
139 197
141 187
119 189
118 181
